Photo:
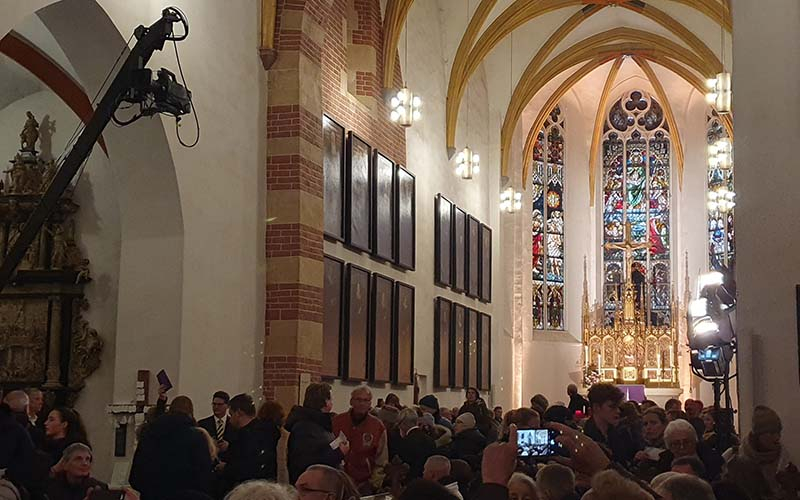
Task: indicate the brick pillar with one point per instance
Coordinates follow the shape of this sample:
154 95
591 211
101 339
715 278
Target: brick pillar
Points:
295 197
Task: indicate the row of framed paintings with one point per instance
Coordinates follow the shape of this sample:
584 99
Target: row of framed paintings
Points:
368 326
463 249
462 346
370 201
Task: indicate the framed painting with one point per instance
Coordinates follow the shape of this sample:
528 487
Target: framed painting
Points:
459 341
355 336
443 231
383 207
333 146
332 317
459 249
485 349
442 344
473 363
358 193
485 273
473 257
403 334
405 225
382 322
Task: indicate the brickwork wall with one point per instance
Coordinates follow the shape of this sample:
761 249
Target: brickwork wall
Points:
371 123
309 78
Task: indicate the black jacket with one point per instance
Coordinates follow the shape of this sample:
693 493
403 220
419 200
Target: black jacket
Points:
59 489
311 433
253 455
710 458
16 448
414 449
578 403
468 445
619 444
172 456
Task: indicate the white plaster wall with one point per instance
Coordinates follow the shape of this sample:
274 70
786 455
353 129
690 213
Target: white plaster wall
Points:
427 159
204 321
767 216
97 224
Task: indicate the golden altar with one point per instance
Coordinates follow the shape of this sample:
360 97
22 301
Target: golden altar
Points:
629 349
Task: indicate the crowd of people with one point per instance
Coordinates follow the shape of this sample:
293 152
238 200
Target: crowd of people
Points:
607 448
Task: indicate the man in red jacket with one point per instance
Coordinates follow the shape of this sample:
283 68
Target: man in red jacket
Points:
367 436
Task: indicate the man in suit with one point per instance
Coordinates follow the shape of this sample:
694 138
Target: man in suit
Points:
219 425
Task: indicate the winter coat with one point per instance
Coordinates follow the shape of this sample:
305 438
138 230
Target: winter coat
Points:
468 445
59 489
172 457
253 454
310 436
16 448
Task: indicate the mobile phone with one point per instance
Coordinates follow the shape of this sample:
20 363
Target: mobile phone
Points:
536 443
107 495
163 380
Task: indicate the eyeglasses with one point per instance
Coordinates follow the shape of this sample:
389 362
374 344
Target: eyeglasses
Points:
682 443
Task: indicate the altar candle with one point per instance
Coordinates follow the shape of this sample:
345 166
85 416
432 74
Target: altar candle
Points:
659 364
586 354
599 361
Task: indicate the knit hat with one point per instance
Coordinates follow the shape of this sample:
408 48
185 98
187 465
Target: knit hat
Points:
466 419
766 421
430 401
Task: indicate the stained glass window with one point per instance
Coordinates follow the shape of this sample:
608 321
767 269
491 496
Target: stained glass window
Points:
548 225
636 189
721 234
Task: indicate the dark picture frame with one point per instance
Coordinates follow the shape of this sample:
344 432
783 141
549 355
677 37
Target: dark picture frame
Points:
472 349
403 334
473 257
355 337
405 225
443 231
459 346
333 153
381 327
442 343
333 312
358 193
459 249
383 207
485 283
485 370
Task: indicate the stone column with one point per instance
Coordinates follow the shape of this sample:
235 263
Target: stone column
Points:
295 199
766 70
54 347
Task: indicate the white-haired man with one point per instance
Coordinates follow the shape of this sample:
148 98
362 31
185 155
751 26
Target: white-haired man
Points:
367 436
680 439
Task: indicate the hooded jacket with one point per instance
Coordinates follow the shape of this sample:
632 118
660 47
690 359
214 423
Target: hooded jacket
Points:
172 456
310 436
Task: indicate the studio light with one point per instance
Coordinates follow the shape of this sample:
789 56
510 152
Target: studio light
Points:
405 108
510 200
467 164
698 308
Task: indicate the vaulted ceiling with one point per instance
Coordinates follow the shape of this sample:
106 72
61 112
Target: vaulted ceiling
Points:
537 42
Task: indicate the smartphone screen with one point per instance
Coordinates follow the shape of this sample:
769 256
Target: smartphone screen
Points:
537 443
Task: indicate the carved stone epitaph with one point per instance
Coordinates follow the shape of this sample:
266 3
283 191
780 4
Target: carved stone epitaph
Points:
44 339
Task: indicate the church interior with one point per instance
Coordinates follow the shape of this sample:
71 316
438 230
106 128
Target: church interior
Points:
420 196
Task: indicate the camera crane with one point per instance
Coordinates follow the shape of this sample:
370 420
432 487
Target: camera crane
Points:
133 84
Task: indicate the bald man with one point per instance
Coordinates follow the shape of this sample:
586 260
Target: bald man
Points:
437 468
367 436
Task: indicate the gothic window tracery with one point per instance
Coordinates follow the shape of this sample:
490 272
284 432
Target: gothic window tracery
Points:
548 225
637 188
